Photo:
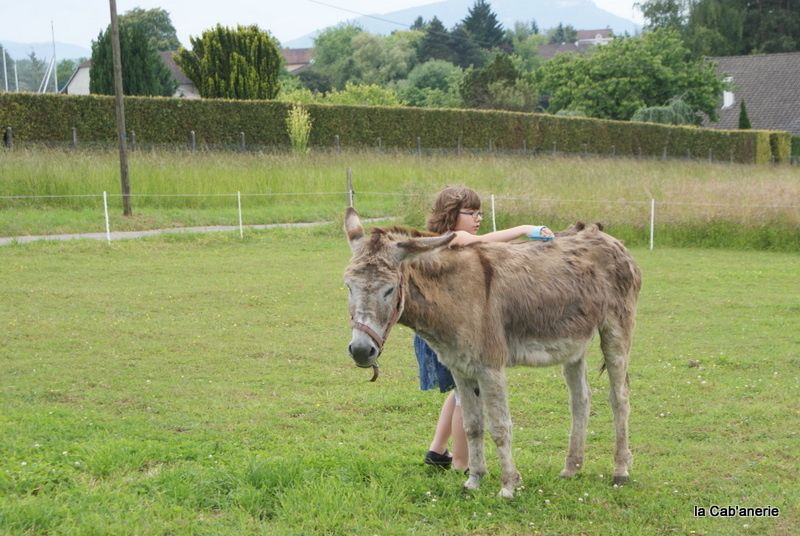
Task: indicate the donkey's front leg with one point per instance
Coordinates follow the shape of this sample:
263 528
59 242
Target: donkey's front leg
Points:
472 413
495 399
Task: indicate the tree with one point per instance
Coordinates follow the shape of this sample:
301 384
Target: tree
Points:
728 27
333 55
143 71
630 73
481 23
382 59
434 83
466 50
30 72
65 69
664 14
496 85
676 112
365 95
525 41
744 121
436 44
771 26
233 64
157 26
563 34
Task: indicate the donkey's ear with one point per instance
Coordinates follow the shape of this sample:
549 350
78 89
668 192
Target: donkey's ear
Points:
353 229
417 246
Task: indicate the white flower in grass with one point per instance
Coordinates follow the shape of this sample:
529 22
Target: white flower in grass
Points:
23 464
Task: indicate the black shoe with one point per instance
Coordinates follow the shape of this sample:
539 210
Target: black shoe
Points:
438 460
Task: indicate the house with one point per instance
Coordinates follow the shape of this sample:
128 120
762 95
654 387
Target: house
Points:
296 59
78 83
586 39
769 85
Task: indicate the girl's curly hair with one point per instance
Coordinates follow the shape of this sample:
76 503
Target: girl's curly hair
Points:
449 203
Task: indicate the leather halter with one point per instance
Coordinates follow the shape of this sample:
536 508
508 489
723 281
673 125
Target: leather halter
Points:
379 339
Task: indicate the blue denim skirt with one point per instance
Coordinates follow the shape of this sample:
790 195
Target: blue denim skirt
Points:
432 373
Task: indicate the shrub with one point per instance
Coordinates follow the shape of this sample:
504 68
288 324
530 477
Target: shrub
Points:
298 125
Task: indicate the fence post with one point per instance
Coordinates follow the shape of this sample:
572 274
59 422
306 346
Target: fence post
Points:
613 151
494 222
239 203
555 148
338 147
241 140
458 146
524 146
350 187
652 221
380 143
74 137
419 146
664 154
133 140
108 224
710 155
8 138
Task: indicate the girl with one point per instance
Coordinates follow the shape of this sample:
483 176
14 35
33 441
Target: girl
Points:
458 210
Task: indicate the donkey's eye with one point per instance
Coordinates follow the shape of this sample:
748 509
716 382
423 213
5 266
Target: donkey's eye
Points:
388 292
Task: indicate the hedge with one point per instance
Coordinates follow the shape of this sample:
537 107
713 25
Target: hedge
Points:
161 120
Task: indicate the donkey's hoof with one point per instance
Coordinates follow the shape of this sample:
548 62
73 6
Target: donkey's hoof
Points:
506 493
620 480
568 473
473 482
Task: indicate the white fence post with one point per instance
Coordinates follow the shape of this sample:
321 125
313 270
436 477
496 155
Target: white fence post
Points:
494 221
652 221
239 202
105 209
350 187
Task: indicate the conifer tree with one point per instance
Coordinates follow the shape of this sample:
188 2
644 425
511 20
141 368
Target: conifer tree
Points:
143 71
744 121
233 64
481 23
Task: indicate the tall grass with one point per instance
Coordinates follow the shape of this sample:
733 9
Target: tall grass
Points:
298 125
696 201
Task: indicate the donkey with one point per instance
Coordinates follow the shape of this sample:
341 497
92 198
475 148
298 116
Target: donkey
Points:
487 306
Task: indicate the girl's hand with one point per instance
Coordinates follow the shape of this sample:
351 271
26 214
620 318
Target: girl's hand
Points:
541 232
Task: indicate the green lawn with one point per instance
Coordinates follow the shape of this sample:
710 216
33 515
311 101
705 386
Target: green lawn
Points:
201 385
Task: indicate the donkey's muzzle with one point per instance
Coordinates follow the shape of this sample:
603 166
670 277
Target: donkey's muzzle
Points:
364 353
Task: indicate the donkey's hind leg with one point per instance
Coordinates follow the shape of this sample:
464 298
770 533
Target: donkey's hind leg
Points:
579 403
615 341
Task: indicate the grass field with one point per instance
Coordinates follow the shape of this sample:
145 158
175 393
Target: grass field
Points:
201 385
697 203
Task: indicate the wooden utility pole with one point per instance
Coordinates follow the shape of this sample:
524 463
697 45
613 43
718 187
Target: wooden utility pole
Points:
120 106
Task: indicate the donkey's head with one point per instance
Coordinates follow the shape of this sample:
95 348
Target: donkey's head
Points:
375 283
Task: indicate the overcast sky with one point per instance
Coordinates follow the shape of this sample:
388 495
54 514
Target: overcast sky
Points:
77 22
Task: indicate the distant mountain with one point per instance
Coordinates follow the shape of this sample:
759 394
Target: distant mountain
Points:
64 51
581 14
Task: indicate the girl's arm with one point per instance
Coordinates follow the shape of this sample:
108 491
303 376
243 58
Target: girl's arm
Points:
506 235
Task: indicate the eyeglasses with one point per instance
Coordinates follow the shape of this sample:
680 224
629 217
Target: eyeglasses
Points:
477 214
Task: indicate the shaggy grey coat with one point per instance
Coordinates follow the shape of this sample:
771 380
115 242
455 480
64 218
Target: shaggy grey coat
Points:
487 306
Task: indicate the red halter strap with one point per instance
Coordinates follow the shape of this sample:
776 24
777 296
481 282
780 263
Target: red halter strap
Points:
380 340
